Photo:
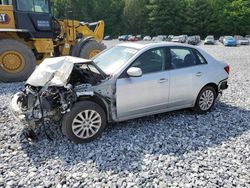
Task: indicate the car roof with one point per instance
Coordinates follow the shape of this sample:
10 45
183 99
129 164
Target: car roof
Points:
140 46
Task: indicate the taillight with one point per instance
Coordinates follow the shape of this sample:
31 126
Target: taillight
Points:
227 69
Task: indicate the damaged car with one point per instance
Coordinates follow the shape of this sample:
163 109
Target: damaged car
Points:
124 82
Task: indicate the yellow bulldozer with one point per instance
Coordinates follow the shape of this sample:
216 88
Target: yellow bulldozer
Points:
29 33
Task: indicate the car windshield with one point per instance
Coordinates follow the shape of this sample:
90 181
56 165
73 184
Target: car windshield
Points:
113 59
229 38
41 6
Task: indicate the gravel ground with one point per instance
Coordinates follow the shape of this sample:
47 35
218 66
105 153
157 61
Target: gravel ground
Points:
177 149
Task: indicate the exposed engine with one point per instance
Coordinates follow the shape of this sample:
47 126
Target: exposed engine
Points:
53 89
40 104
80 75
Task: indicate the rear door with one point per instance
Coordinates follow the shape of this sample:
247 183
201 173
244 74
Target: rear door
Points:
187 76
138 96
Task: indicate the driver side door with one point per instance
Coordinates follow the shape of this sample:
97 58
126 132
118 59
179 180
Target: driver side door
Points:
148 94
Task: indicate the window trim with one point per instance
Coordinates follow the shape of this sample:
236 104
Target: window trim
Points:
164 48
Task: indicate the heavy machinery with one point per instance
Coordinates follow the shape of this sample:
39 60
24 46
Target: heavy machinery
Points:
29 33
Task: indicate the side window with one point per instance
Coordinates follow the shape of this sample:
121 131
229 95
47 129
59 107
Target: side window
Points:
151 61
181 58
41 6
201 59
25 5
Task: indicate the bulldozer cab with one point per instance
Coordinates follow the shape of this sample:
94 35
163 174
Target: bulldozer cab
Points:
34 16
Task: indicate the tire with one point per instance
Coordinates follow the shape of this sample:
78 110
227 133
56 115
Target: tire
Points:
72 118
198 105
25 56
90 47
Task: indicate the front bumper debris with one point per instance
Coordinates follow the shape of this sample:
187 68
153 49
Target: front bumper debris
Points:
223 85
16 109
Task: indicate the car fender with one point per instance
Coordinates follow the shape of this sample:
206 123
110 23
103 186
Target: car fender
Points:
101 101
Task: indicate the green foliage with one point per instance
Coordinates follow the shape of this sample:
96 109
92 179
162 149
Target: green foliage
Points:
203 17
166 16
135 16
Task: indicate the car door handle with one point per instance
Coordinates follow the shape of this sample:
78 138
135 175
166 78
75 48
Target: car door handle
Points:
163 80
199 74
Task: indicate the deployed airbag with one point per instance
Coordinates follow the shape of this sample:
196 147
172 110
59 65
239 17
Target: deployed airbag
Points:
54 71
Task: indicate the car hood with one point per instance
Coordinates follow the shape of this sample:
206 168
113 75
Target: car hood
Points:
54 71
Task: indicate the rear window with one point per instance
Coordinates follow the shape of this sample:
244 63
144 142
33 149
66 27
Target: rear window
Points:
200 58
229 38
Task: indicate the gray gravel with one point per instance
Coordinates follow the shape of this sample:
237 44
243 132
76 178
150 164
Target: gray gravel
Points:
177 149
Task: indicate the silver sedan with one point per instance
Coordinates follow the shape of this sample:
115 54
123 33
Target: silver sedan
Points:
128 81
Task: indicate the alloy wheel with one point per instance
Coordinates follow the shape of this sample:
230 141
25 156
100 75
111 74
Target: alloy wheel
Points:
86 124
206 100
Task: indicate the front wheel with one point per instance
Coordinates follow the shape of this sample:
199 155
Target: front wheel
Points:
84 123
205 100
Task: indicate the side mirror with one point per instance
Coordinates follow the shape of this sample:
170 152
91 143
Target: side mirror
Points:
134 72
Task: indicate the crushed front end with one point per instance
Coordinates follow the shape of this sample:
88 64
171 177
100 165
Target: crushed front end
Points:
34 105
53 89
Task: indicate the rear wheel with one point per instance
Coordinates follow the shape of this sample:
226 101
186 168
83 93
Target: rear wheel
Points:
91 49
84 123
17 61
205 100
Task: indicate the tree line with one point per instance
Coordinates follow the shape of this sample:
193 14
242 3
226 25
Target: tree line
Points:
155 17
